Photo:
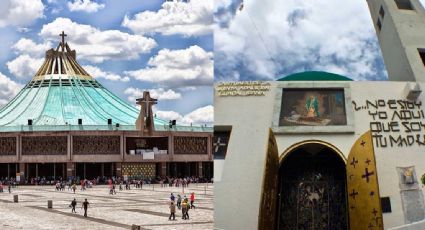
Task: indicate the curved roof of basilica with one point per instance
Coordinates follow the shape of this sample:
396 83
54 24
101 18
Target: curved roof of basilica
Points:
314 76
61 92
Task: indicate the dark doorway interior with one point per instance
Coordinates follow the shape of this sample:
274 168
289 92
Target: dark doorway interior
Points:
182 169
91 171
8 170
49 171
312 190
207 170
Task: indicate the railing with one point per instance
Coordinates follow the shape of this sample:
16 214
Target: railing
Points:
34 128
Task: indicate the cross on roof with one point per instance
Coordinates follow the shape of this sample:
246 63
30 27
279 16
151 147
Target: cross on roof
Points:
147 102
63 35
218 144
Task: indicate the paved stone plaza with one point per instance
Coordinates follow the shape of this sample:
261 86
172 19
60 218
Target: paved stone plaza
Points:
147 208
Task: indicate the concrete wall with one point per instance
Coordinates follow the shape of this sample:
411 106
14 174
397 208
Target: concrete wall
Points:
120 156
403 32
250 117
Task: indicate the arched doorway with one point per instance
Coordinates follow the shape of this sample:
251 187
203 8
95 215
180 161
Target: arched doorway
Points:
312 188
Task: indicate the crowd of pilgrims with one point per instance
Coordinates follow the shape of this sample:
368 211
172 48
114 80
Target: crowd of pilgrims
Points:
112 182
181 201
163 181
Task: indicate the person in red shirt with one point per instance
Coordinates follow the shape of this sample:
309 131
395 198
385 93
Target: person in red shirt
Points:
192 199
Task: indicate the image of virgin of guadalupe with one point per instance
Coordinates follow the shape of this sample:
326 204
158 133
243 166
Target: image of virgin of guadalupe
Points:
312 106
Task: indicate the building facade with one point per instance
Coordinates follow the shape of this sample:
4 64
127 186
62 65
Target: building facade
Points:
64 124
317 149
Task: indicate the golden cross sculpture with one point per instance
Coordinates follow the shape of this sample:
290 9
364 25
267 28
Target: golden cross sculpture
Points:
63 35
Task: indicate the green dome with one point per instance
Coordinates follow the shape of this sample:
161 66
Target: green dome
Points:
314 76
62 92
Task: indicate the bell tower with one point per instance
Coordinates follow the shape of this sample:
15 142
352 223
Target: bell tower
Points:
400 27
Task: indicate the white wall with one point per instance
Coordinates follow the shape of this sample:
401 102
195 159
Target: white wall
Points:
250 118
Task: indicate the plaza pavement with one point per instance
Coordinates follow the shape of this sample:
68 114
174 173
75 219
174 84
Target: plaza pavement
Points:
147 207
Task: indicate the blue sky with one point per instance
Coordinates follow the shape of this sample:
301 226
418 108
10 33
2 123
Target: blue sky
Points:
127 45
270 39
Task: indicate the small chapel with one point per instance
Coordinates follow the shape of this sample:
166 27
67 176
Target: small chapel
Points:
317 150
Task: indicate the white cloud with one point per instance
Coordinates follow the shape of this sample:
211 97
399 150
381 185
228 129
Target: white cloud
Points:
24 66
174 68
85 5
200 116
96 45
222 3
23 30
268 38
96 72
177 17
19 12
27 46
203 115
159 93
8 89
56 10
168 115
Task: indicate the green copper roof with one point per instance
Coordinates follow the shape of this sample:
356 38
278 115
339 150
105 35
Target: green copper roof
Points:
314 76
62 92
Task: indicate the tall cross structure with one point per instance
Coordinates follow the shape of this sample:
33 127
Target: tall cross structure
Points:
63 35
145 121
400 27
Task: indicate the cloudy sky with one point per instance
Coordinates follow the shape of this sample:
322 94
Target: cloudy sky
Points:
269 39
127 45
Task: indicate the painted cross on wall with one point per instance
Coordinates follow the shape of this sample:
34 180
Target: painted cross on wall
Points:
220 142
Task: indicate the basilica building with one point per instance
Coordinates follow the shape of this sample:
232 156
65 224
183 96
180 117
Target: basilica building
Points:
65 124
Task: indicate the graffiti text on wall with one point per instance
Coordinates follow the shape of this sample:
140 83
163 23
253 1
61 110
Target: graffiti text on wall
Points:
395 123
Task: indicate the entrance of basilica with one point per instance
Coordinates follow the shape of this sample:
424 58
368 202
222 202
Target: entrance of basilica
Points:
312 189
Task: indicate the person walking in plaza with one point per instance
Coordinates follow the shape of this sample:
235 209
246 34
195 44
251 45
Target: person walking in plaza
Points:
184 207
1 187
185 210
192 199
73 205
9 187
85 206
172 197
172 211
179 201
74 187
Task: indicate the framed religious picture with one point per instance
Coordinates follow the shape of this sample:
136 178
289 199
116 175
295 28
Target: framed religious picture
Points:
319 107
313 107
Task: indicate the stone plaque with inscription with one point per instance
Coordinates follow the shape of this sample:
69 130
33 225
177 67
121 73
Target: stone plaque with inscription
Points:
411 195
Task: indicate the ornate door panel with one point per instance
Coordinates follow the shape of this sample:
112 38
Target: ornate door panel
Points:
312 191
362 185
267 213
